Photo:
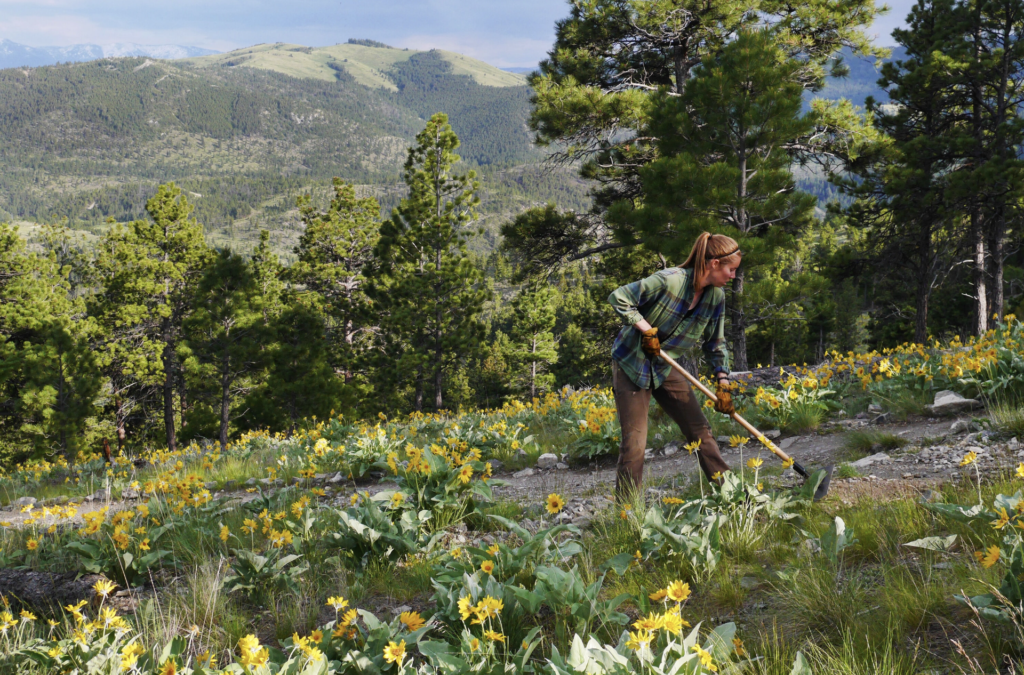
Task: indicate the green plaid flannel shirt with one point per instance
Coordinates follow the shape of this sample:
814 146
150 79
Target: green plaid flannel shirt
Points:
662 299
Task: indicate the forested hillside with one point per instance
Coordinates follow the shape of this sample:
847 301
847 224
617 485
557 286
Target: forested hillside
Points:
91 141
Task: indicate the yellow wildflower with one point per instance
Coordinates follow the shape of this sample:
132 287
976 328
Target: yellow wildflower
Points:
412 620
969 458
555 503
988 558
394 653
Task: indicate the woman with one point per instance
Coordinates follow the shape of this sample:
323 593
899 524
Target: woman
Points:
672 310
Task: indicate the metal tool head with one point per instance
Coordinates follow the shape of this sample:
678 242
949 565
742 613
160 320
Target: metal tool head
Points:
815 484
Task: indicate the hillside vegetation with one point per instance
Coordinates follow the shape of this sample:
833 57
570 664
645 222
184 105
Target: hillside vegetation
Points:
89 142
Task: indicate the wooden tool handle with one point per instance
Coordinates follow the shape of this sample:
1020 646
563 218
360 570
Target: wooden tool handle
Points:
710 394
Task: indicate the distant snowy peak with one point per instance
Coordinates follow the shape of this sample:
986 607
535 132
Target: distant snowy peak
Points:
154 51
14 55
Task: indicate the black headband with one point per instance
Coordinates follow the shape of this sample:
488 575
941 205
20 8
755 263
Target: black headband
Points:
724 255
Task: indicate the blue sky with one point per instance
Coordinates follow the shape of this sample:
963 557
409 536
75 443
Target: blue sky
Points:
505 33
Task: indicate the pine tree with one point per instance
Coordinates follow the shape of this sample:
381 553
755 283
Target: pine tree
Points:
428 291
723 165
49 378
533 323
223 335
592 93
144 271
333 254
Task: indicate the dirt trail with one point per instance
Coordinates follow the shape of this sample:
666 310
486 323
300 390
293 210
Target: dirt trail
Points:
930 457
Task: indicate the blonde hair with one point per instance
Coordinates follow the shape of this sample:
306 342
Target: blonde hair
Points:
710 247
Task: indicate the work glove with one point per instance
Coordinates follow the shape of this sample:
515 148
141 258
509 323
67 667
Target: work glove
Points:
650 342
724 396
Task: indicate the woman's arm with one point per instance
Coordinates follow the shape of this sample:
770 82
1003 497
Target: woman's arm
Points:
627 299
715 344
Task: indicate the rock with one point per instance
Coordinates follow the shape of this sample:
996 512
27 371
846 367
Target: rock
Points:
959 426
230 484
336 478
722 440
772 434
749 583
582 522
402 608
129 493
320 477
861 416
931 497
648 453
521 453
21 502
671 449
252 482
98 496
884 418
496 466
871 459
942 566
47 590
1013 444
525 473
547 461
874 409
210 485
789 441
561 466
950 403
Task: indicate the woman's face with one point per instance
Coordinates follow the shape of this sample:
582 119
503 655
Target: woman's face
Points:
720 273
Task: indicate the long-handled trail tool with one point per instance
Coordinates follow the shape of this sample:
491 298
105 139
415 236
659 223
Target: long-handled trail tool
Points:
823 477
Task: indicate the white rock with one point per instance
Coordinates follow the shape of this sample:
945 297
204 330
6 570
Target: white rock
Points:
949 402
959 426
874 409
561 466
336 478
1013 444
525 473
722 440
871 459
788 442
772 434
547 461
670 449
23 501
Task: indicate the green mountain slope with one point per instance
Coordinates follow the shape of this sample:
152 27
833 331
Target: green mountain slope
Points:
369 66
91 141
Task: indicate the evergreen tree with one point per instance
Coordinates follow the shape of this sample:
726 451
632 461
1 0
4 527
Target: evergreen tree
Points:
223 335
49 378
533 313
723 165
592 100
333 254
144 271
428 292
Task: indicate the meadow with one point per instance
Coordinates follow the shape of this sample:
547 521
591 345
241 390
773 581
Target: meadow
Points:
385 545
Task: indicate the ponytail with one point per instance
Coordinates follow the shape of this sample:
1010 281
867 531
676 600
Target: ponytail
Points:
710 247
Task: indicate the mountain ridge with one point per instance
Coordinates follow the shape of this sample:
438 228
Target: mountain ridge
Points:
15 55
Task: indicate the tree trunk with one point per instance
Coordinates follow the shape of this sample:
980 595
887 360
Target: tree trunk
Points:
119 423
739 324
996 247
533 371
418 400
771 355
225 403
978 259
924 289
168 358
182 397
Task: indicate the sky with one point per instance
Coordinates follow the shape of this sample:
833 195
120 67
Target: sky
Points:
504 33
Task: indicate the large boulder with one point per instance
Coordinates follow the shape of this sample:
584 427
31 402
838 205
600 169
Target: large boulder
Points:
951 403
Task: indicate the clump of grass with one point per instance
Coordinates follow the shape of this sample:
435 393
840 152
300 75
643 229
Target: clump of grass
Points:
1008 415
824 600
847 471
805 417
860 443
852 656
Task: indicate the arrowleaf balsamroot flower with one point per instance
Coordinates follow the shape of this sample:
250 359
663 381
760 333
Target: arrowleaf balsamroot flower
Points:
678 591
104 587
394 653
555 503
695 445
989 557
337 602
969 458
412 620
755 462
487 566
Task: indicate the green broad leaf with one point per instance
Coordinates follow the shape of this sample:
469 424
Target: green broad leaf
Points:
800 666
719 641
530 601
959 513
933 543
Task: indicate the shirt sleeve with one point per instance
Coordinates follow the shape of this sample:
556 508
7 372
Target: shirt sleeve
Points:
715 344
627 299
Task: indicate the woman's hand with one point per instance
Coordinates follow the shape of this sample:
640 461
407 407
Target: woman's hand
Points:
724 396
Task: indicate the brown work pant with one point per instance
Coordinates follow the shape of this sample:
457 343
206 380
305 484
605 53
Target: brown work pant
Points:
676 398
